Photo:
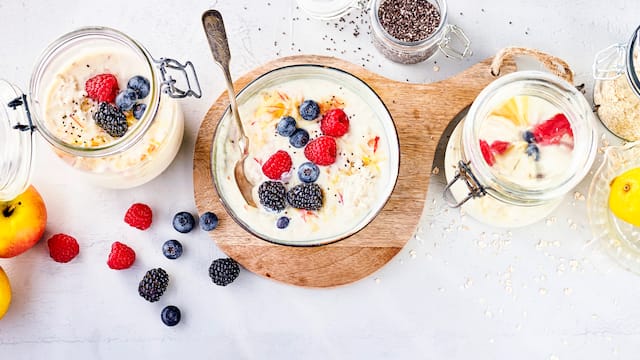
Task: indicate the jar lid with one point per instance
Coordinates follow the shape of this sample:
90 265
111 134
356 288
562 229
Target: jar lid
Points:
16 141
328 9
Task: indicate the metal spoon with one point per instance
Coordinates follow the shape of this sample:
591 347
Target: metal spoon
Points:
217 37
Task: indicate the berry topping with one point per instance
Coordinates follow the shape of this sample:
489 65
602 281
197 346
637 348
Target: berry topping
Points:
208 221
533 151
140 85
224 271
138 110
286 126
139 216
272 195
528 136
308 172
101 88
111 120
334 123
183 222
121 256
170 315
63 248
153 284
277 165
309 110
299 138
500 147
322 150
126 99
305 196
486 153
282 222
553 130
172 249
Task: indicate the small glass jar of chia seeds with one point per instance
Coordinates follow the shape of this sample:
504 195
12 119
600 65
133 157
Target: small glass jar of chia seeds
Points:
411 31
616 93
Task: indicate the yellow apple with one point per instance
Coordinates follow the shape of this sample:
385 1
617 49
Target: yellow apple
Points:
22 223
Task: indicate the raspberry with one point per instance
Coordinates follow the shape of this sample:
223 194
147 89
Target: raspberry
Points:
63 248
500 147
121 256
486 153
103 87
334 123
553 130
277 165
321 151
139 216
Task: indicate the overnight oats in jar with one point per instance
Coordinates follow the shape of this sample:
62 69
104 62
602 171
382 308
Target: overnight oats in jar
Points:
323 156
107 108
412 31
527 140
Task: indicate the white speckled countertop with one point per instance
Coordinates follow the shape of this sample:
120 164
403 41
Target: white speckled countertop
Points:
458 290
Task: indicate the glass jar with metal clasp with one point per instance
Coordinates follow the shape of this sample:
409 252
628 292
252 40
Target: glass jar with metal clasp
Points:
146 136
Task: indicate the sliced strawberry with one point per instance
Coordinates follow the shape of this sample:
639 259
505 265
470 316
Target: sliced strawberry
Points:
500 147
552 131
486 153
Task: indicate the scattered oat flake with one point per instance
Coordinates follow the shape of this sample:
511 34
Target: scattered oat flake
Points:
436 68
377 280
542 291
412 254
435 171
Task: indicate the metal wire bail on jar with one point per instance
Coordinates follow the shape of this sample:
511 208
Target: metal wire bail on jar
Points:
617 99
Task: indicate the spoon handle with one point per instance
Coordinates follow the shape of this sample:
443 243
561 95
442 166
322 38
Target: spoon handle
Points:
217 37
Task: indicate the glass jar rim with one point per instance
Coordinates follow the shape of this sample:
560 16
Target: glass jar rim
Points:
585 145
436 35
134 134
632 75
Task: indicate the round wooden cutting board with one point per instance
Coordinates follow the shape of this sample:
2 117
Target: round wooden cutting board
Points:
420 112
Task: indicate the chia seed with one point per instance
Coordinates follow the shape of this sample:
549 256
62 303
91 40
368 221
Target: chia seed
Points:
409 20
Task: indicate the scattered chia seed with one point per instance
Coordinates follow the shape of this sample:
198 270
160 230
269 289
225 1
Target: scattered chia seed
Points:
409 20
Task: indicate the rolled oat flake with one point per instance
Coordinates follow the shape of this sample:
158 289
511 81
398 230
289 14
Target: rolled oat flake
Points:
409 20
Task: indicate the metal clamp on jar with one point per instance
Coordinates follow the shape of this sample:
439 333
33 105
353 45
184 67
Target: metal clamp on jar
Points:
616 93
142 135
526 141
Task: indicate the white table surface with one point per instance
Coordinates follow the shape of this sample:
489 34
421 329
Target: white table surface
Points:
458 290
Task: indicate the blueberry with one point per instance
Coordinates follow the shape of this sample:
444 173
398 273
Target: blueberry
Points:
172 249
299 138
140 85
170 315
528 137
138 110
208 221
183 222
532 150
286 126
309 110
126 99
308 172
282 222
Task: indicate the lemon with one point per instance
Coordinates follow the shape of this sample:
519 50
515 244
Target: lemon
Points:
624 196
5 293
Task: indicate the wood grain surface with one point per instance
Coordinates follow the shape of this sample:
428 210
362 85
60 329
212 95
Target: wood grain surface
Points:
420 112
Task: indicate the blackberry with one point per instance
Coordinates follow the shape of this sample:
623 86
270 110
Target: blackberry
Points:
272 195
111 120
224 271
153 284
307 196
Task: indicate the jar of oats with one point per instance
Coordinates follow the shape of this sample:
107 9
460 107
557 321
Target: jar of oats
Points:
616 93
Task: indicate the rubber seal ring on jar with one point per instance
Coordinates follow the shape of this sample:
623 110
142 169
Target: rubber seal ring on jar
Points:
16 130
464 173
452 37
188 74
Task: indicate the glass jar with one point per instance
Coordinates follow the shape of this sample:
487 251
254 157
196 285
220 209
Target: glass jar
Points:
449 39
617 97
535 172
330 9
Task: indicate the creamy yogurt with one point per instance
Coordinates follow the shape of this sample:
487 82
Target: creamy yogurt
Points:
353 186
68 115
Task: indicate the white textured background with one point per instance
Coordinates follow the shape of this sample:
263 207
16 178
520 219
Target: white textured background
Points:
458 290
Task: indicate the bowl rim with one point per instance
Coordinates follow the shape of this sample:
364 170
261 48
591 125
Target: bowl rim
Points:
395 174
